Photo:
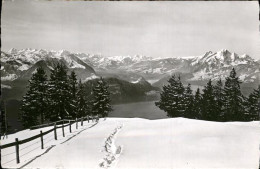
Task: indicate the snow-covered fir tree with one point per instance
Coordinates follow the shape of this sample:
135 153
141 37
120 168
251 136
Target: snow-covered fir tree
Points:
83 104
208 103
197 104
253 105
171 100
35 103
59 93
180 91
189 103
73 91
219 97
234 100
101 103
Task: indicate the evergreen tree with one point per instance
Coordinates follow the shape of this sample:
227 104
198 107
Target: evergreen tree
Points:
197 104
208 103
171 100
34 103
234 100
180 91
166 98
219 97
253 105
73 91
82 107
189 103
101 102
59 93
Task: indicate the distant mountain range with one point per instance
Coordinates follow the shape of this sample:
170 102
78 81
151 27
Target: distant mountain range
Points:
22 63
18 65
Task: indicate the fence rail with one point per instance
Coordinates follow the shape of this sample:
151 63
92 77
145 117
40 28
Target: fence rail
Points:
51 124
19 142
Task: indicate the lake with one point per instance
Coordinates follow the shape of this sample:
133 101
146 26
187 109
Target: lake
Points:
146 110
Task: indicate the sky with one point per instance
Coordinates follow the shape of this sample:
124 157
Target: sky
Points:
156 29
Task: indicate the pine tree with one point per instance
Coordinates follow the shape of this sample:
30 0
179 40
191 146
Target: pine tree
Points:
82 107
253 106
197 104
180 91
171 100
34 103
73 91
101 102
208 103
189 103
234 100
59 93
219 97
166 98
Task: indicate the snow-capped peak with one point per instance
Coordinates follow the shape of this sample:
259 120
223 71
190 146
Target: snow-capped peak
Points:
217 65
12 50
224 51
222 57
63 52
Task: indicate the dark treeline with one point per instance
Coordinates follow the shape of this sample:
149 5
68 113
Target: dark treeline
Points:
216 102
62 96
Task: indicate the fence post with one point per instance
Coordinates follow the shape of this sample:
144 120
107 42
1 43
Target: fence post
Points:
17 150
81 121
63 133
76 123
88 118
42 140
70 126
55 131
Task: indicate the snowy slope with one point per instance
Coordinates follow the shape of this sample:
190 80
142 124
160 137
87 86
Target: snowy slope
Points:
32 150
139 143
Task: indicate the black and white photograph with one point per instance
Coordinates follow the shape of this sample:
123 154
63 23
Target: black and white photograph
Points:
130 84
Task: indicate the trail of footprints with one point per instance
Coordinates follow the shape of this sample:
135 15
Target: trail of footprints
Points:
112 151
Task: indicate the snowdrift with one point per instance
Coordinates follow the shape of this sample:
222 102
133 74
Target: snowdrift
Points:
138 143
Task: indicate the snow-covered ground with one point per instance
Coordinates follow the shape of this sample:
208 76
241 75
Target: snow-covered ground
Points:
139 143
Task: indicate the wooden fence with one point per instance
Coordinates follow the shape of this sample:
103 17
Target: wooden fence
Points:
41 134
